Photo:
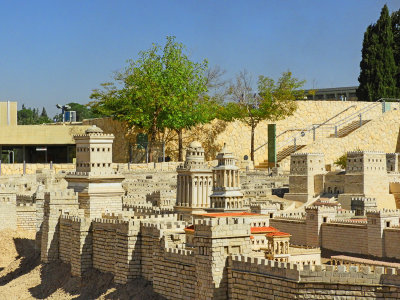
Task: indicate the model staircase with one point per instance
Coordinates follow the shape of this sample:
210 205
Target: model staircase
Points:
281 155
349 128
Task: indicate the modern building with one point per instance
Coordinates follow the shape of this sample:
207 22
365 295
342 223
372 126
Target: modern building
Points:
338 93
35 143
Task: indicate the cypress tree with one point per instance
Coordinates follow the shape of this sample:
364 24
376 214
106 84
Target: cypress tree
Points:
44 113
364 90
386 71
378 68
396 45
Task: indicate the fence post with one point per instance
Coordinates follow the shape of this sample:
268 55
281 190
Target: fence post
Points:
51 165
335 130
24 168
294 142
313 133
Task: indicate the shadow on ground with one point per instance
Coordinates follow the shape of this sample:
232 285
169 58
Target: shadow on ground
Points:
30 259
56 276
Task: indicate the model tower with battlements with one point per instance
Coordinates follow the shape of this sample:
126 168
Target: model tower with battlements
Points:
97 184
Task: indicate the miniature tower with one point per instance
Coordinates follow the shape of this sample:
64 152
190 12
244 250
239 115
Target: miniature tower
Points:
306 176
194 183
98 185
366 176
226 194
214 241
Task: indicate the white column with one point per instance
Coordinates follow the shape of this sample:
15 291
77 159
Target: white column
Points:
194 192
190 191
178 191
187 190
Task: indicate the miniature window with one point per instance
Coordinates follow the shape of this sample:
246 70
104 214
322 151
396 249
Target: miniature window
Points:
92 149
98 149
325 219
388 224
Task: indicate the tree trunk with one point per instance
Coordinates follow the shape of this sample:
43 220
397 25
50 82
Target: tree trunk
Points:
253 128
180 144
150 147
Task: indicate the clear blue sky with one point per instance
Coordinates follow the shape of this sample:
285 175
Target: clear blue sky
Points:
58 51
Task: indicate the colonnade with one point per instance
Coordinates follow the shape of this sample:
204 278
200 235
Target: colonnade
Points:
194 190
227 202
278 247
226 178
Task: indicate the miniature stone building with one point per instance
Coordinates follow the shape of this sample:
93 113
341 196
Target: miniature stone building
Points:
194 183
97 184
306 176
227 195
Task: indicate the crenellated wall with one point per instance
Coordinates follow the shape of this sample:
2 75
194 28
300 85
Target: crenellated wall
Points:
252 278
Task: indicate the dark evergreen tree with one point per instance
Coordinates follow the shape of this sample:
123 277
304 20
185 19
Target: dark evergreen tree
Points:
44 113
364 90
396 45
378 67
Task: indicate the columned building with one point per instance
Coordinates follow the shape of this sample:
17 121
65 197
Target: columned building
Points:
227 195
194 183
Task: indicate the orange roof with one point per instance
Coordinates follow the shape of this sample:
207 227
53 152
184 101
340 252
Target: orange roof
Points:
251 237
238 214
263 229
278 233
190 228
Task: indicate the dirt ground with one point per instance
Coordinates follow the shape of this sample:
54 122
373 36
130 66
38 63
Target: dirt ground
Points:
23 277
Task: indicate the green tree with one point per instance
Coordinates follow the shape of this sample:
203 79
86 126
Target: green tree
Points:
29 116
396 39
161 89
274 100
378 68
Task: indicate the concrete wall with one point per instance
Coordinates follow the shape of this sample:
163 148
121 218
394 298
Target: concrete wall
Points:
8 114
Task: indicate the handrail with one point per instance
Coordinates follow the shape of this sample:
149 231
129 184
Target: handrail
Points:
308 128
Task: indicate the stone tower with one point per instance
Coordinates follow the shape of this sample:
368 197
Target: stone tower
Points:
227 195
366 176
98 185
215 240
306 176
315 217
194 183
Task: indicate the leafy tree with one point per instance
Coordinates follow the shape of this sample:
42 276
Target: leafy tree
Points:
29 116
44 113
274 100
378 67
161 89
82 112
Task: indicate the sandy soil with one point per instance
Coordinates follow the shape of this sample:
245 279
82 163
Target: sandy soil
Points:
23 277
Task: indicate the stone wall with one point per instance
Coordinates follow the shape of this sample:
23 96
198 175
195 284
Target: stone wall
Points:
26 217
18 169
175 270
252 278
381 134
235 134
348 238
297 228
8 215
392 238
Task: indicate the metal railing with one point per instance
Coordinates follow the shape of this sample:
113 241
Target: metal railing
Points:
339 128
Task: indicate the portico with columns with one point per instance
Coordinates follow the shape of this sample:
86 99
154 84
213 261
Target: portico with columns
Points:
194 183
227 195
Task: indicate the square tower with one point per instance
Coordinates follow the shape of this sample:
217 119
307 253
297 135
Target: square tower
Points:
366 176
306 178
98 186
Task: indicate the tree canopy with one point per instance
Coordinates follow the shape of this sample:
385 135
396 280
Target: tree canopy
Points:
162 89
30 116
273 101
378 65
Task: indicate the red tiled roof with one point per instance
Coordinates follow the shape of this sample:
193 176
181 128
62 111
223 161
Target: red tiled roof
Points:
278 233
190 228
238 214
251 237
263 229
